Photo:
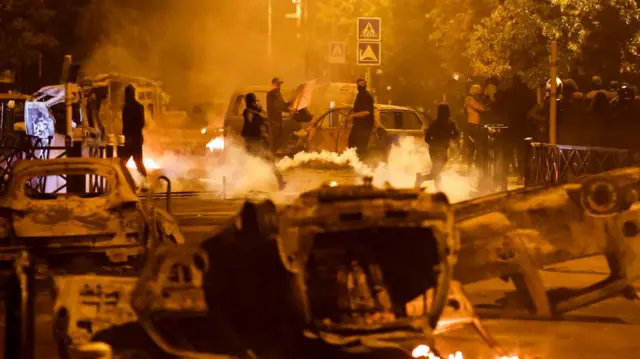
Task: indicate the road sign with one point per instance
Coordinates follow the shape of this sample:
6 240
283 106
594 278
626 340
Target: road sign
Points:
369 53
337 53
369 29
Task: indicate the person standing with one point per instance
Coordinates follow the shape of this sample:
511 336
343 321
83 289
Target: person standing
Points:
473 107
132 125
363 121
255 132
439 136
276 105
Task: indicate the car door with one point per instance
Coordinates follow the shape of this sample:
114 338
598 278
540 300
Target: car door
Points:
401 123
233 118
329 132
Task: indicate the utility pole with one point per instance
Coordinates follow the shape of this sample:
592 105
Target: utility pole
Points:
553 96
269 32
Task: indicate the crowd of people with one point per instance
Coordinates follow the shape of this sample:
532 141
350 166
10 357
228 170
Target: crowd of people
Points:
603 116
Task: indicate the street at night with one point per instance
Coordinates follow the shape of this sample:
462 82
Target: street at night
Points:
348 179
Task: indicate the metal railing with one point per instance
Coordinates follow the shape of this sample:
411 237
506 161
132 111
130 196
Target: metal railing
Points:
558 164
19 146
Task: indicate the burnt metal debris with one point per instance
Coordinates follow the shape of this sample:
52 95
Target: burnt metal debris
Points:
353 271
516 234
328 269
107 222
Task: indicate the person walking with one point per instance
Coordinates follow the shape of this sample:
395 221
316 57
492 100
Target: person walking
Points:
133 123
255 131
439 136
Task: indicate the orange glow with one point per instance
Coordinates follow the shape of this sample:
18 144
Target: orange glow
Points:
149 164
216 144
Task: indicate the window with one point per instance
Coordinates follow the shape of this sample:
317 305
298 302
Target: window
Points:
400 120
60 185
180 274
332 119
238 105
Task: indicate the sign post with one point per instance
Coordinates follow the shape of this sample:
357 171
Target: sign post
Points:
369 35
337 53
553 95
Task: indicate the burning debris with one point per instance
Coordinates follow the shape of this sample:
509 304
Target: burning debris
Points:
149 164
216 144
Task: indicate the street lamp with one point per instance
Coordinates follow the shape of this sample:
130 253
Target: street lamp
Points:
269 26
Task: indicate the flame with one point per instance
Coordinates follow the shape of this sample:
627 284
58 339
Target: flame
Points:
149 164
423 351
203 131
333 184
216 144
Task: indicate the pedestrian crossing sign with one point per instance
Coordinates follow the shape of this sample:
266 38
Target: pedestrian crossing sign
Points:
369 29
337 53
369 53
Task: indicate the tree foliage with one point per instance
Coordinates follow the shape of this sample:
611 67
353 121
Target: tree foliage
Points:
450 25
596 37
24 33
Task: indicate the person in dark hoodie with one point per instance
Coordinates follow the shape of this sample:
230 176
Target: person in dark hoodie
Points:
255 131
132 125
363 121
439 136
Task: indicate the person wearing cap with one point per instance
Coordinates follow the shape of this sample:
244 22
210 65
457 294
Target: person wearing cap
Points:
276 105
363 121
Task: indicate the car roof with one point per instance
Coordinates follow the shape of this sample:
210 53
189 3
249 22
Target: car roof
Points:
25 165
380 107
252 89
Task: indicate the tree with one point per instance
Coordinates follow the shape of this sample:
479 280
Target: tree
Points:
450 23
595 37
24 33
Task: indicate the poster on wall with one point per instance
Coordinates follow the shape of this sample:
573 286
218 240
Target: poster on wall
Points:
37 120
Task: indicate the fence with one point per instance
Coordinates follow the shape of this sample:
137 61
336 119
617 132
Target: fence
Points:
19 146
557 164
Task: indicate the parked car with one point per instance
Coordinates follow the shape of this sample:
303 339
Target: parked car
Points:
60 208
325 96
330 132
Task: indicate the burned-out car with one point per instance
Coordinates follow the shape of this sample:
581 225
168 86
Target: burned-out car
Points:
71 210
329 276
516 234
330 132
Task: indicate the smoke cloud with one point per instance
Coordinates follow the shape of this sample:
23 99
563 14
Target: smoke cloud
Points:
238 174
200 49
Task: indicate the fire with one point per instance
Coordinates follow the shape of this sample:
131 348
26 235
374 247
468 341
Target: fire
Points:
423 351
216 144
149 164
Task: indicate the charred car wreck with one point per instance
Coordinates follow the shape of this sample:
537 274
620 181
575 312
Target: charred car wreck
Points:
329 276
516 234
104 220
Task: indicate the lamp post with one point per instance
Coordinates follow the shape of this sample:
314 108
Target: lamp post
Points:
269 31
